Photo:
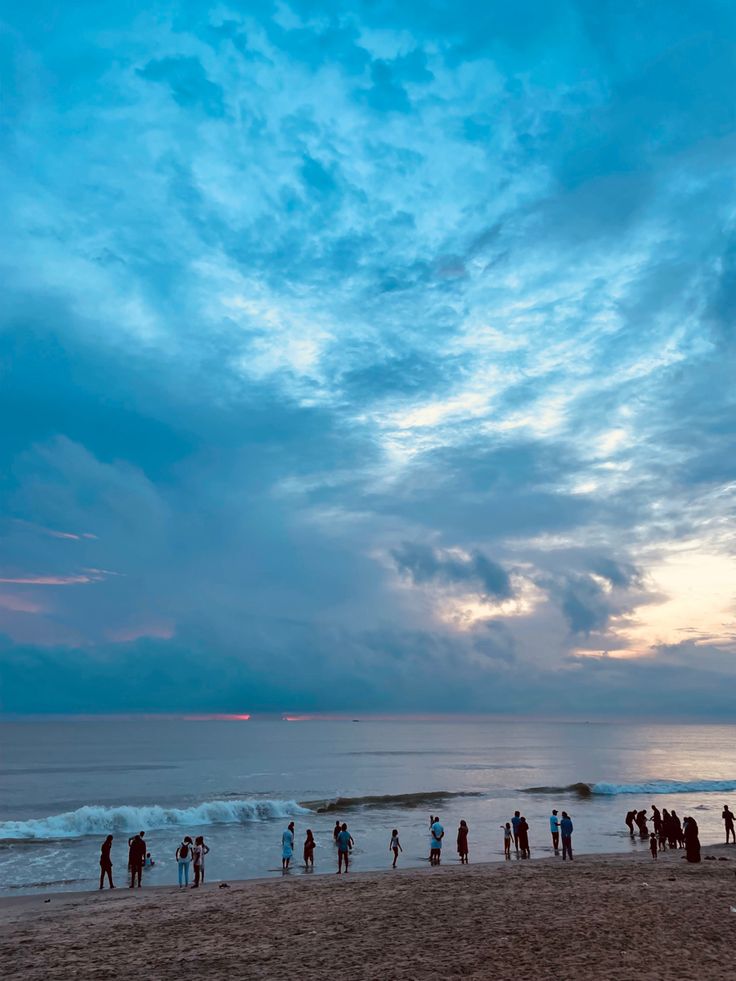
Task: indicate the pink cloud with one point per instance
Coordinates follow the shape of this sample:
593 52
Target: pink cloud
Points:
48 580
125 635
19 604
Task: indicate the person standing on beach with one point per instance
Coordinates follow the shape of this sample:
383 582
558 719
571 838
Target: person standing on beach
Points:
692 841
728 819
136 858
679 839
336 831
462 842
523 838
395 846
515 820
438 833
309 845
287 846
653 846
566 830
656 819
198 854
344 844
554 827
507 835
106 862
183 860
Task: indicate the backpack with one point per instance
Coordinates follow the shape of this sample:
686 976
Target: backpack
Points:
183 851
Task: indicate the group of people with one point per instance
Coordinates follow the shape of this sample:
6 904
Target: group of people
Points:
668 831
341 836
187 853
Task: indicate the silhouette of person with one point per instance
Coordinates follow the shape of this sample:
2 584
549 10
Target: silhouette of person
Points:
630 815
566 829
728 819
524 838
106 862
136 858
692 842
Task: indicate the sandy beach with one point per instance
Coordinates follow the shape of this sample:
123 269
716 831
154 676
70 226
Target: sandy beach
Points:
601 918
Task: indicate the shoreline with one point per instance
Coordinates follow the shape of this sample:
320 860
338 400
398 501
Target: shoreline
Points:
598 918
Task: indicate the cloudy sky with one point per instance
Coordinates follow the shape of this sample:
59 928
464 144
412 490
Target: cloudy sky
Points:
368 356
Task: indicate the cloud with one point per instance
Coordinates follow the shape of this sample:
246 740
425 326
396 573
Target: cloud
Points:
188 82
391 341
426 564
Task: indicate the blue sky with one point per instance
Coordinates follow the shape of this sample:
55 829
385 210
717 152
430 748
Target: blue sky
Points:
368 357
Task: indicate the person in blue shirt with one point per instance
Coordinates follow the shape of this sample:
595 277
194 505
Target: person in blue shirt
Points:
515 822
566 831
554 828
344 844
437 833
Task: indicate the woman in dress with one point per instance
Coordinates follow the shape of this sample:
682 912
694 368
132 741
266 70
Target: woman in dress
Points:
692 841
309 846
287 846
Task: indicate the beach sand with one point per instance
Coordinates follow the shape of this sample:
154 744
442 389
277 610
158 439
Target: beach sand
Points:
600 918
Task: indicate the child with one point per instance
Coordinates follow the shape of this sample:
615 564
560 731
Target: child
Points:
507 836
653 844
309 846
462 843
149 861
395 846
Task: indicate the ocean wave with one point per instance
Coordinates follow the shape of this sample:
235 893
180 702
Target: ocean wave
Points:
97 820
383 800
647 787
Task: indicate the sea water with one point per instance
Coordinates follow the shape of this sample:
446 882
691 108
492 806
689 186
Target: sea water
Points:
65 785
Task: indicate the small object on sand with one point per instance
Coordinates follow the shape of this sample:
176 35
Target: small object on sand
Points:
47 900
224 885
722 858
733 909
672 879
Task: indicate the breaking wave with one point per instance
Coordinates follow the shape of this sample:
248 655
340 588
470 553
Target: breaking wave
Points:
384 800
647 787
97 820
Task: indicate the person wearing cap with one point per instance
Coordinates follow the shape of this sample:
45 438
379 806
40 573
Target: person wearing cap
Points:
554 827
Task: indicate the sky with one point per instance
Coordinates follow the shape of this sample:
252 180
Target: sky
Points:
368 357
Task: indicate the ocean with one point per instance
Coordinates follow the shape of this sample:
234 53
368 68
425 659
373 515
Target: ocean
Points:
64 785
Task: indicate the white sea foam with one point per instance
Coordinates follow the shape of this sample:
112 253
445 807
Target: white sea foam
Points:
97 820
666 787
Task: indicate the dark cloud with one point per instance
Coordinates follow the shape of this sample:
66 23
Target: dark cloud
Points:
426 564
355 277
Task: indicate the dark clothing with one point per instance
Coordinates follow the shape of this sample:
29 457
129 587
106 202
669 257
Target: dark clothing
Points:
524 838
462 841
692 842
556 840
136 858
566 847
106 864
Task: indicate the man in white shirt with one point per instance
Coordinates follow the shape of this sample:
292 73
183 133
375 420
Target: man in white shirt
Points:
554 827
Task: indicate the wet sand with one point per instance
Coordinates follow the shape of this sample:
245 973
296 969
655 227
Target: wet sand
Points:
600 918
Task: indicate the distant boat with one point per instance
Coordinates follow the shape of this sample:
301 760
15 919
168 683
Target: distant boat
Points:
356 720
